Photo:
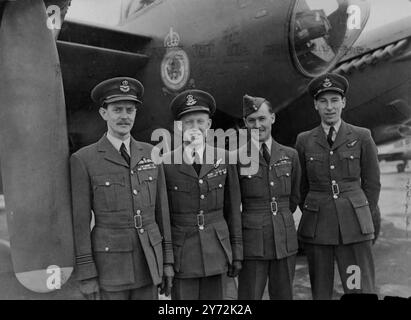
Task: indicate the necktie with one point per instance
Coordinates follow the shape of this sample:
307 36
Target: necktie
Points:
196 163
330 136
266 154
124 153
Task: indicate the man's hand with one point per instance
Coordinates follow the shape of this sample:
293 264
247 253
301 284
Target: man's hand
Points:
234 269
168 276
90 289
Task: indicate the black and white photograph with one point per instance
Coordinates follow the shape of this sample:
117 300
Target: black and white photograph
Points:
224 151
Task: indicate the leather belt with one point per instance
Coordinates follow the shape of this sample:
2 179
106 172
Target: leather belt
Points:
199 220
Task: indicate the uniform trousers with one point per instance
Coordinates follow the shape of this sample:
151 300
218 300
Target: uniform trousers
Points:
254 274
321 267
205 288
149 292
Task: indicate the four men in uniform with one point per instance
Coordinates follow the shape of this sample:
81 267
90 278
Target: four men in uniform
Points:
198 220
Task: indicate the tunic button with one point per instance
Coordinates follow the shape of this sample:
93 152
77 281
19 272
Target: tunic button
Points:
331 152
150 178
272 183
138 211
106 248
287 174
202 197
332 167
220 185
175 188
135 192
132 172
200 181
352 157
311 159
249 177
141 230
107 183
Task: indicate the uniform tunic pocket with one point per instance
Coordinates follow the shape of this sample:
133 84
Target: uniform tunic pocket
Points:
351 165
216 192
224 238
113 254
253 235
109 192
283 172
309 218
148 181
363 213
178 238
180 194
315 165
251 185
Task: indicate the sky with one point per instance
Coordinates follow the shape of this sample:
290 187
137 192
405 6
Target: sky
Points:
108 11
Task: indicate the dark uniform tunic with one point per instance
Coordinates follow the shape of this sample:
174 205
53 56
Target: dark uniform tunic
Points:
340 190
269 198
205 222
131 240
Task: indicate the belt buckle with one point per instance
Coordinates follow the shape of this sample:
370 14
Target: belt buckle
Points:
335 189
138 221
274 207
200 221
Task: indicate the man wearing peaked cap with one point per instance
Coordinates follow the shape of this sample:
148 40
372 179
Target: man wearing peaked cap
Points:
129 252
118 89
329 82
269 199
339 193
204 205
193 101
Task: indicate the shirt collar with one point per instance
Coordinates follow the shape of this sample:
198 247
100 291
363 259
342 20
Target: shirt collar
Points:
336 126
269 142
116 142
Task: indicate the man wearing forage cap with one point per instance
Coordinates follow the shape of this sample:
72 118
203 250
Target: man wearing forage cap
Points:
339 194
129 251
204 205
269 199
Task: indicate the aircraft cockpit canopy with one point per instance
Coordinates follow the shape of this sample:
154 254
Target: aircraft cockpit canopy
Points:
322 31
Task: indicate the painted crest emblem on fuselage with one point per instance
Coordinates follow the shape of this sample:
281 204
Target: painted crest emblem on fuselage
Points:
175 67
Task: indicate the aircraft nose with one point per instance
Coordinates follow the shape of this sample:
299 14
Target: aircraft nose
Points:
322 31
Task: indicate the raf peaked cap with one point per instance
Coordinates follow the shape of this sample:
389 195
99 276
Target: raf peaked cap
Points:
328 82
118 89
251 104
192 101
